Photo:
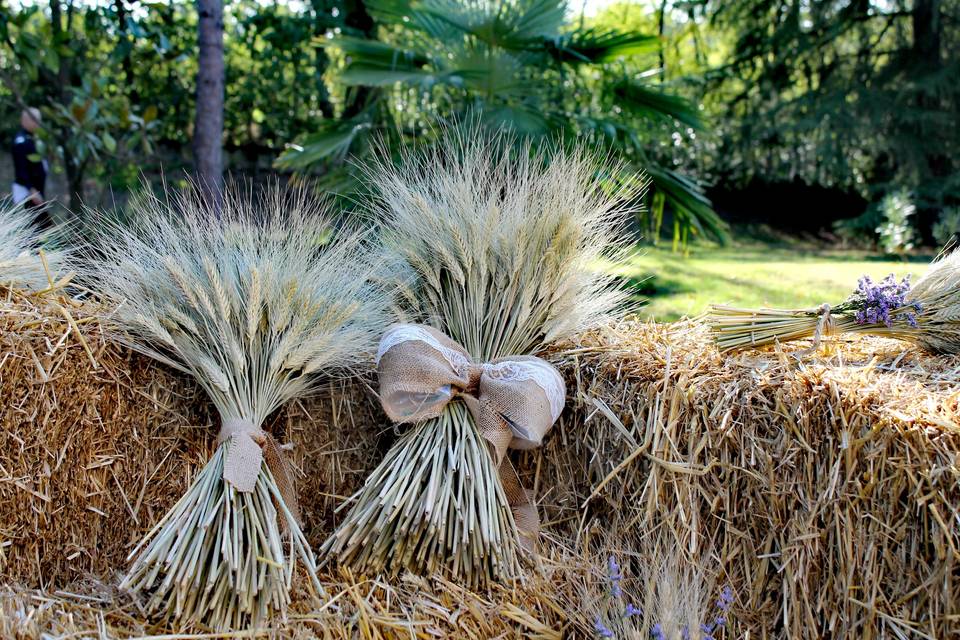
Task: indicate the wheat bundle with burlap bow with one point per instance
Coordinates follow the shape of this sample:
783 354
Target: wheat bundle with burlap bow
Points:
259 300
251 447
514 401
502 247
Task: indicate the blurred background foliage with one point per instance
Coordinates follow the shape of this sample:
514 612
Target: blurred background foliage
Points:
829 118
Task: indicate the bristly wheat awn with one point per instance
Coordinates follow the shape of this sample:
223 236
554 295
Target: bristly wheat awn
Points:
255 300
21 244
927 314
505 246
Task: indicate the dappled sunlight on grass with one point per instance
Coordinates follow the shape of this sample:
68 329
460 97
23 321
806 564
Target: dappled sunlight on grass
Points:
752 276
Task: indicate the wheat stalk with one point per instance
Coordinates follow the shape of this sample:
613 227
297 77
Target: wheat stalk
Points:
253 300
929 317
21 265
505 246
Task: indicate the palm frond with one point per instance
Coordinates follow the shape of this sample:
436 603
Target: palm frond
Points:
593 46
333 141
651 103
510 25
375 64
686 198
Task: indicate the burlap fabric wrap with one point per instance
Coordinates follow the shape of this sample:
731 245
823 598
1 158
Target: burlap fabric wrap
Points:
514 400
249 447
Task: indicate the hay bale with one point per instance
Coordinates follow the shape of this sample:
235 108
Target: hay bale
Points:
827 491
97 443
339 435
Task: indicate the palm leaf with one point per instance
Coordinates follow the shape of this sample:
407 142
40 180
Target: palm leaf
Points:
591 46
652 103
689 203
332 142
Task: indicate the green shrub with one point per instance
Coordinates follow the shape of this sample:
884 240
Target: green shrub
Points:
947 225
896 234
860 230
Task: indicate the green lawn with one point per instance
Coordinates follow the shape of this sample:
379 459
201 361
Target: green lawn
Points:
753 275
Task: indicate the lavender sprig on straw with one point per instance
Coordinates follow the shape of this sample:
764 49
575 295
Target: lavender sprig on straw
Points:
665 621
879 299
927 314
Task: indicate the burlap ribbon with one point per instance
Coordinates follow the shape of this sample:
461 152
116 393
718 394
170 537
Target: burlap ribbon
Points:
251 446
514 400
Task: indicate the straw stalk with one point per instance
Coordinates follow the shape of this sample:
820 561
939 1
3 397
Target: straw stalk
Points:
22 263
927 314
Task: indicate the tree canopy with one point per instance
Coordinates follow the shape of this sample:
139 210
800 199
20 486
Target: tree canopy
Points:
859 95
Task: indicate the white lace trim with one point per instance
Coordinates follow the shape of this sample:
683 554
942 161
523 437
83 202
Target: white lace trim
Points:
540 372
401 333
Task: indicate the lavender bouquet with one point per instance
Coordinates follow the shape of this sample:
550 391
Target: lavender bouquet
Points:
927 314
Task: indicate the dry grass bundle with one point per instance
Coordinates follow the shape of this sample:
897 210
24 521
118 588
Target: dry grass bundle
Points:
21 265
829 490
503 245
927 314
254 300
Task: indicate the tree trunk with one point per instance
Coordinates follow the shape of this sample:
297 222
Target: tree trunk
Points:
661 24
208 128
358 21
73 172
127 61
321 60
927 64
927 31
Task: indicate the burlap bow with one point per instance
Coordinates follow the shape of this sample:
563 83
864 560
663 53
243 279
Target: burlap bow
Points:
251 446
514 400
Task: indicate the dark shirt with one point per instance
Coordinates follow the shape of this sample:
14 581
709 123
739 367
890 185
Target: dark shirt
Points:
29 173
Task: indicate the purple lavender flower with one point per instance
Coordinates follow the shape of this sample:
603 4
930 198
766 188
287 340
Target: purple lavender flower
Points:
726 599
615 577
875 300
602 630
614 569
631 611
657 632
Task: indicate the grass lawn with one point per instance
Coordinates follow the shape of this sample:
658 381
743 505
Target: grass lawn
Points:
753 275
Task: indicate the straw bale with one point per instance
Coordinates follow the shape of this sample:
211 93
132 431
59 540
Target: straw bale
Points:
827 491
94 444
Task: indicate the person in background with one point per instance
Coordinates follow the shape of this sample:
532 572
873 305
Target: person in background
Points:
30 173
